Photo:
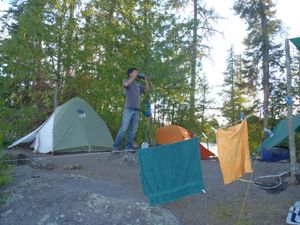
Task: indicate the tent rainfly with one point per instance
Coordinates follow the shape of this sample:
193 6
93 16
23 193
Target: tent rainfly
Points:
74 126
280 132
296 42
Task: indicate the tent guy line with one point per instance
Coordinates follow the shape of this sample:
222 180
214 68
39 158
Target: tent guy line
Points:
65 156
57 156
248 186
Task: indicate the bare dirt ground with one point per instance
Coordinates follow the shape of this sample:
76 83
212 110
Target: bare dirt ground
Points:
105 188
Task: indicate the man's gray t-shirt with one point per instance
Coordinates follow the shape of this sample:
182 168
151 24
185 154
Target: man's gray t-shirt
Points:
132 95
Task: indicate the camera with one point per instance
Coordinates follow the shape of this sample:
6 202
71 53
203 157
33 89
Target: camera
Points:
141 76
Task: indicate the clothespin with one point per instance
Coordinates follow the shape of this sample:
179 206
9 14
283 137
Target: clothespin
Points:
268 132
214 129
265 110
289 100
242 116
273 92
204 135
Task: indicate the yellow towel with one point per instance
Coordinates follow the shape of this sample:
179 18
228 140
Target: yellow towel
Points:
233 151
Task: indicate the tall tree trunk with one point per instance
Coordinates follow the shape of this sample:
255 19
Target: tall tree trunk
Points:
265 64
57 67
193 63
147 36
57 92
292 145
154 113
58 82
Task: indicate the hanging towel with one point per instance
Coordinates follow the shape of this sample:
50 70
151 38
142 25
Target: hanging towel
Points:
233 151
169 172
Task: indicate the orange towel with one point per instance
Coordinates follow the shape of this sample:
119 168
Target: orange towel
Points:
233 151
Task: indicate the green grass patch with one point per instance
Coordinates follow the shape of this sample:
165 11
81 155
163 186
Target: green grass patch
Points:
229 214
5 171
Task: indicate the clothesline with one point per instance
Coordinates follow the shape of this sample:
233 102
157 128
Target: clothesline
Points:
231 124
261 110
238 121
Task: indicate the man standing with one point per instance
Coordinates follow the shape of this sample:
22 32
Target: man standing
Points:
130 120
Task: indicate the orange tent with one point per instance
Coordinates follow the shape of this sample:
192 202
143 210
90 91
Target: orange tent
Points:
205 153
172 133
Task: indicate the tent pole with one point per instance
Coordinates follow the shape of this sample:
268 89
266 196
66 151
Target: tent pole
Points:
292 145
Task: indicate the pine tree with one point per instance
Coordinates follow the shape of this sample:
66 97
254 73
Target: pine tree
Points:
234 94
262 52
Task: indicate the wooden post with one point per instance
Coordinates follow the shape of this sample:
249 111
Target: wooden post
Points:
292 146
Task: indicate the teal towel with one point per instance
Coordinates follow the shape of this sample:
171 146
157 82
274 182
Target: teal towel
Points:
170 172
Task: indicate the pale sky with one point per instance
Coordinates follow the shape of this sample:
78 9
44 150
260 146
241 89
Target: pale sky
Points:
233 29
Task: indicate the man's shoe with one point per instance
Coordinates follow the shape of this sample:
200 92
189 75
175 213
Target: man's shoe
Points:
115 150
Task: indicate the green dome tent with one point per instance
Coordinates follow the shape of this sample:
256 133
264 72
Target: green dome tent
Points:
74 126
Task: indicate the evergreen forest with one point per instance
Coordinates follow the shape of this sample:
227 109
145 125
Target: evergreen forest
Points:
54 50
